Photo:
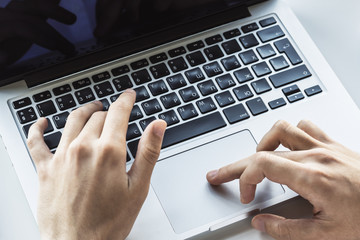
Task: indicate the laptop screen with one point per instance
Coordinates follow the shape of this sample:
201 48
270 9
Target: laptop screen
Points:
36 34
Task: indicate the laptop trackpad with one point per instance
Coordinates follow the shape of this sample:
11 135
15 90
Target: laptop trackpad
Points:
184 193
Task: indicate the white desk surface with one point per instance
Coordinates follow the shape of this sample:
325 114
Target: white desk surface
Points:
334 26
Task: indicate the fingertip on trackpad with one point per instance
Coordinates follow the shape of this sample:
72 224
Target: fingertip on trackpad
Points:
187 198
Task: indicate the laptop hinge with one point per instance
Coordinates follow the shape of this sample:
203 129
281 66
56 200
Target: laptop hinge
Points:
134 46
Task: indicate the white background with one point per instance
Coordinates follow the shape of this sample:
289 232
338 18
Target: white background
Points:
334 25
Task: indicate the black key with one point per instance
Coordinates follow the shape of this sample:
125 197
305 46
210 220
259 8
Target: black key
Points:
214 39
193 129
250 27
248 57
267 22
284 46
52 140
157 88
114 98
141 94
295 97
81 83
249 41
225 81
127 157
145 122
230 63
42 96
195 58
60 120
224 99
46 108
232 33
159 71
177 52
170 100
266 51
194 75
243 92
169 117
26 115
176 81
151 107
207 87
141 77
213 53
236 113
101 77
313 90
206 105
261 69
49 128
243 75
189 94
103 89
177 64
231 47
122 83
279 63
135 113
195 45
106 104
65 102
139 64
277 103
256 106
187 131
22 103
187 112
291 90
261 86
132 132
62 89
271 33
289 76
85 95
158 58
212 69
120 70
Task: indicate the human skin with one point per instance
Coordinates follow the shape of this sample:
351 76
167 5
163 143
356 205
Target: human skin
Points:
319 169
85 191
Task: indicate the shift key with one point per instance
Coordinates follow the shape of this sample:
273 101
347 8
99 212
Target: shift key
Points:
289 76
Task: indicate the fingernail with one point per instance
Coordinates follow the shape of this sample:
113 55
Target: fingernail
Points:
259 224
213 174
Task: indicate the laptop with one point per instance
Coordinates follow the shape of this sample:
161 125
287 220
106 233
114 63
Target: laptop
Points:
219 72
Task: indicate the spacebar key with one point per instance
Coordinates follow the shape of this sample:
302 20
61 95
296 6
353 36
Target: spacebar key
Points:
193 129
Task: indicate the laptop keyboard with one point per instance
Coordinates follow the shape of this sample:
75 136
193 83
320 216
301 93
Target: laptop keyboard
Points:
196 88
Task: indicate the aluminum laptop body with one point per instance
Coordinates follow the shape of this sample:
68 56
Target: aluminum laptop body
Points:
181 204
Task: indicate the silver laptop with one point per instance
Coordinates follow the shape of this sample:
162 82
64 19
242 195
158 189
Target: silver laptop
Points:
219 72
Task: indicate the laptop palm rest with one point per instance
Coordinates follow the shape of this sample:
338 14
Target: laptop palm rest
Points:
188 200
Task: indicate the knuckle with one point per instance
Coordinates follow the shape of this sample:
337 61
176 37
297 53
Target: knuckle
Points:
261 158
108 149
31 142
79 148
282 125
283 231
150 154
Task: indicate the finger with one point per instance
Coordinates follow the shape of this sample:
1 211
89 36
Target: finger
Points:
58 13
76 122
38 149
277 169
314 131
147 154
94 126
118 116
281 228
287 135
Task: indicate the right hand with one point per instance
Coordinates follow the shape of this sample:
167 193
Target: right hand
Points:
321 170
23 23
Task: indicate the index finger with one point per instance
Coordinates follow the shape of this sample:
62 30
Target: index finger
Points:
117 120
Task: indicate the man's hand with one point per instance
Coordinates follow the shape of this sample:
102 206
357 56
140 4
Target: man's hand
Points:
319 169
85 191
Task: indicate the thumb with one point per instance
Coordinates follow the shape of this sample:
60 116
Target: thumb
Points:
281 228
148 153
